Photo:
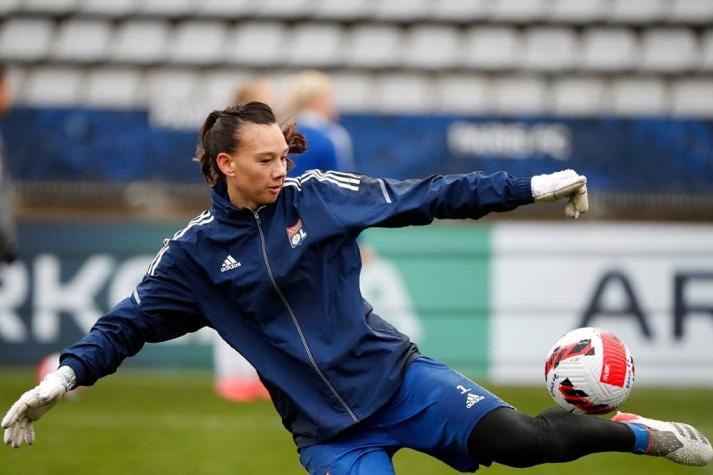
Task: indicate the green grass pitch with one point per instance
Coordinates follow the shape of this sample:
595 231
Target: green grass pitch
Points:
139 422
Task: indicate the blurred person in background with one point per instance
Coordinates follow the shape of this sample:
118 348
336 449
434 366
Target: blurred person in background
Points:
311 104
8 250
235 378
259 88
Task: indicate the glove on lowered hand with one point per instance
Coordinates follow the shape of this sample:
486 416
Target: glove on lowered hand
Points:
33 404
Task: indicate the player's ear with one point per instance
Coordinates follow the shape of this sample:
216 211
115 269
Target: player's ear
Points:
226 164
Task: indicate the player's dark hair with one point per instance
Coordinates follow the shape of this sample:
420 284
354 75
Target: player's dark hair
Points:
220 133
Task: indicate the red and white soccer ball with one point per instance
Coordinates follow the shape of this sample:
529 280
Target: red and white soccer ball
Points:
590 371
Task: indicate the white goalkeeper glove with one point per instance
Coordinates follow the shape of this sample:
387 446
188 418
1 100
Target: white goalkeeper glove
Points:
33 404
565 184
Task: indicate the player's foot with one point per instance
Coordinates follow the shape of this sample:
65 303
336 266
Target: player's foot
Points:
679 442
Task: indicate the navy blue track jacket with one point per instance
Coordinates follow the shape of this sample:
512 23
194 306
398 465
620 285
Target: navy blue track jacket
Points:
281 285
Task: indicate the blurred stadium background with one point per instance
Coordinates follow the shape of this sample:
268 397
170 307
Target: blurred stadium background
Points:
107 99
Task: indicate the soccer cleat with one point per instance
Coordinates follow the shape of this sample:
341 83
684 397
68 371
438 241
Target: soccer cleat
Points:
676 441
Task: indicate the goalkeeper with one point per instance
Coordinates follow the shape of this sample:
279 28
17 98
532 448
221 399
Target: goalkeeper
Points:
274 266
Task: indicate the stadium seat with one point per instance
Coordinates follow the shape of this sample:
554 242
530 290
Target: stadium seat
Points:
114 87
374 46
432 47
579 96
226 8
139 41
257 43
53 7
25 39
9 6
281 79
50 86
520 95
170 84
166 8
354 92
669 50
580 11
692 97
341 10
550 49
398 10
215 88
637 11
691 11
609 49
492 48
462 94
114 8
460 11
707 51
81 40
639 96
284 9
198 42
524 11
406 93
316 45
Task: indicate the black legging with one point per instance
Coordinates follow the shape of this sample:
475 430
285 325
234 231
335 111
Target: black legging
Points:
512 438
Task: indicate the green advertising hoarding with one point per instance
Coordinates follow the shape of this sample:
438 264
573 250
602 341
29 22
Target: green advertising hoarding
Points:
488 299
68 274
446 271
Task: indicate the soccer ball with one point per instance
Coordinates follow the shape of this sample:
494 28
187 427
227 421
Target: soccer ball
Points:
590 371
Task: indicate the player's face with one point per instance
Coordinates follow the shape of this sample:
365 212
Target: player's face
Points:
256 171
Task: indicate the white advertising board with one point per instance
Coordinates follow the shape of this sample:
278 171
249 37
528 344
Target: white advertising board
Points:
651 284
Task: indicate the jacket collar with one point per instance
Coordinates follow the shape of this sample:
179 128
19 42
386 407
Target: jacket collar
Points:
223 208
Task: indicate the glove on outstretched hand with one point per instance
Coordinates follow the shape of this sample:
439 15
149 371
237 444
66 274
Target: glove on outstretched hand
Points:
565 184
33 404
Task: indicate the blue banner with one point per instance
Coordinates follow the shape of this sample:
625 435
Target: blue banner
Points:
645 155
76 144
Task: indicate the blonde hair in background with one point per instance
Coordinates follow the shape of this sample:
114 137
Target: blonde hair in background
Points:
259 89
306 88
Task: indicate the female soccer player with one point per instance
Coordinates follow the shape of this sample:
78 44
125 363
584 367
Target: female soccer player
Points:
274 266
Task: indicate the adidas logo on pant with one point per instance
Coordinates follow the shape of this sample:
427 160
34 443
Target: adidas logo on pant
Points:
472 400
229 263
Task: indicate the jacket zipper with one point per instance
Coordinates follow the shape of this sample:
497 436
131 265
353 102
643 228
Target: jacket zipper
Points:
296 323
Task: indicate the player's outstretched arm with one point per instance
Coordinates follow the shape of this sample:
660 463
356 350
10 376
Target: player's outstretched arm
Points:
34 404
566 184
